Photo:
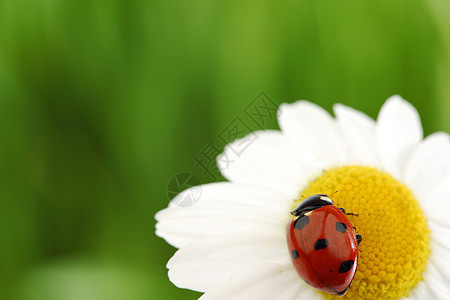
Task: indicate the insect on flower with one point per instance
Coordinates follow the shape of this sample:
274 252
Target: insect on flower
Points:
323 244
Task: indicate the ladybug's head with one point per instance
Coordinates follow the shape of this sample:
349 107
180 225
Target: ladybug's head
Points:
311 203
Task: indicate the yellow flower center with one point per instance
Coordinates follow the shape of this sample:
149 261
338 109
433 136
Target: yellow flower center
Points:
395 245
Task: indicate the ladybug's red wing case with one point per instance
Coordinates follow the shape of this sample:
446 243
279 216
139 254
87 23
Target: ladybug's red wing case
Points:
324 249
297 252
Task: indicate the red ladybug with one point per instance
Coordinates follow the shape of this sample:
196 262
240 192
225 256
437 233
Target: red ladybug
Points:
323 244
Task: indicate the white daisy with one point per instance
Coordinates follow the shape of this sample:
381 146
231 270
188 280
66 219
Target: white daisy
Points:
232 241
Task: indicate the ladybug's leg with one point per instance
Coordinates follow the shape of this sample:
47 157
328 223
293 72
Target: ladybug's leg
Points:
346 213
358 238
352 214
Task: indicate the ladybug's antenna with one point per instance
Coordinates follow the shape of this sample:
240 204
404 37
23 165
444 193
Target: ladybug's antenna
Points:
331 195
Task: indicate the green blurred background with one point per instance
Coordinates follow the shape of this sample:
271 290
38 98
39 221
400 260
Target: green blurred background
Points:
102 102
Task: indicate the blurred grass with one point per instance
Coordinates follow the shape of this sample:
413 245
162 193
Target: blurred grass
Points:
102 102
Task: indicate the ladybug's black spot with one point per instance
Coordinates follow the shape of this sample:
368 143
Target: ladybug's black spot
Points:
320 244
346 266
341 227
294 254
301 222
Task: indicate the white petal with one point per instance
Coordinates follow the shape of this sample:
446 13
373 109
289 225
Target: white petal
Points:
427 165
440 258
421 292
397 133
437 274
263 281
224 207
266 158
436 201
438 287
439 235
204 263
359 131
315 134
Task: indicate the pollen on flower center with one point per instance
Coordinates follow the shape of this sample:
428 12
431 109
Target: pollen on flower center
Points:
395 246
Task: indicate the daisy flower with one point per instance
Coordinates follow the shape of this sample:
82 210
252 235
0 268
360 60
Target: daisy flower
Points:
232 241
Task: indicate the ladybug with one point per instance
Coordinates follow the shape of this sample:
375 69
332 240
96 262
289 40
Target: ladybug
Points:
323 245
